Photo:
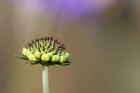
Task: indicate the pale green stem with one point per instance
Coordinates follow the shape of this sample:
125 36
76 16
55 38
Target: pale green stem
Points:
45 79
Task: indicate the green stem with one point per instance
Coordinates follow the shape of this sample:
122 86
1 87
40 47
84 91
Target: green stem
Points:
45 79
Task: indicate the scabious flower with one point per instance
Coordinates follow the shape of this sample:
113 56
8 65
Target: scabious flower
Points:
46 51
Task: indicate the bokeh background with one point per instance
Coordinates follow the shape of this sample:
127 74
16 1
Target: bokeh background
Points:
102 36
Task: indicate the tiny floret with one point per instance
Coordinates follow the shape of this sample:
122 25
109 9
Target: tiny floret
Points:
37 55
67 55
62 59
32 58
55 58
45 58
46 51
50 55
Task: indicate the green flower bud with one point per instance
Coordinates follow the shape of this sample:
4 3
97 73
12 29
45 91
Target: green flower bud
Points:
46 51
56 47
62 59
34 46
37 55
28 53
62 53
42 52
54 51
32 58
45 57
58 54
46 47
37 46
36 50
32 51
55 58
50 55
52 42
24 50
41 49
48 44
67 55
51 47
41 44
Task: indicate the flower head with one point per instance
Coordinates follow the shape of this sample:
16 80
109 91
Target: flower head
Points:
46 51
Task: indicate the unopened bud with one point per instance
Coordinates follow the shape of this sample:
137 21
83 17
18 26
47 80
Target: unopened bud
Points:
28 52
58 54
41 49
24 50
67 55
62 59
45 51
42 52
50 55
45 57
54 51
51 47
37 55
62 53
55 58
52 42
32 58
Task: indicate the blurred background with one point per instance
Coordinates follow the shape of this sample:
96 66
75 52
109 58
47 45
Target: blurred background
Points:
102 36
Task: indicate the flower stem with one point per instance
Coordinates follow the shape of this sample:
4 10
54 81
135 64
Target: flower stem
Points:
45 79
